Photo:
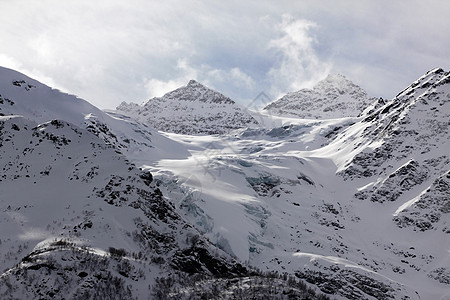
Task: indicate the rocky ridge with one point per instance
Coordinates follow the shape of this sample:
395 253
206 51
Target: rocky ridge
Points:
333 97
403 144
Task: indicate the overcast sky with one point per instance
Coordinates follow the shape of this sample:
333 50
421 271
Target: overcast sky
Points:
109 51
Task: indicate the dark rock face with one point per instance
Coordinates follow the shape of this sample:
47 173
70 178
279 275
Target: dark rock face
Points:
196 258
401 180
147 177
348 284
429 209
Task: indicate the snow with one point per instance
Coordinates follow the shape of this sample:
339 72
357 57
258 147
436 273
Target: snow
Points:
193 109
281 195
333 97
371 233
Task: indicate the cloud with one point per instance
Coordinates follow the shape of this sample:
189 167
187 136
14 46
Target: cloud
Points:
9 62
233 77
12 63
157 88
384 45
298 66
214 78
242 79
110 51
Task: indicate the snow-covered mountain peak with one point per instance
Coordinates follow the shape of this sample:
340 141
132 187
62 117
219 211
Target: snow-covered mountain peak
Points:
21 95
419 113
191 109
193 82
40 103
196 92
338 80
431 79
333 97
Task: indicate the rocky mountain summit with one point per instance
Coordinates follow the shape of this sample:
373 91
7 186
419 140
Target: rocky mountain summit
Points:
333 97
192 109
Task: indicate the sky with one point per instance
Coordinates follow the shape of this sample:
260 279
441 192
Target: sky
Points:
109 51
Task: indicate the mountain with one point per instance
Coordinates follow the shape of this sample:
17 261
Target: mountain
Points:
21 95
193 109
99 205
405 145
333 97
79 219
356 206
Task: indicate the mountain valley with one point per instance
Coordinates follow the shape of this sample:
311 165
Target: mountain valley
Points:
325 193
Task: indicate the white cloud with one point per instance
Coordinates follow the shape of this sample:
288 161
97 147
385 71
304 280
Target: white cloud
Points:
157 88
298 66
43 47
9 62
214 78
233 77
12 63
242 79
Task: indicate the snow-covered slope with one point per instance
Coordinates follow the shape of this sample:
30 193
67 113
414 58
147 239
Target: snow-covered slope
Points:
406 142
402 161
79 220
333 97
397 159
21 95
357 207
193 109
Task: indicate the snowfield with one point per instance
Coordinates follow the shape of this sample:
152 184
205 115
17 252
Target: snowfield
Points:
353 205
